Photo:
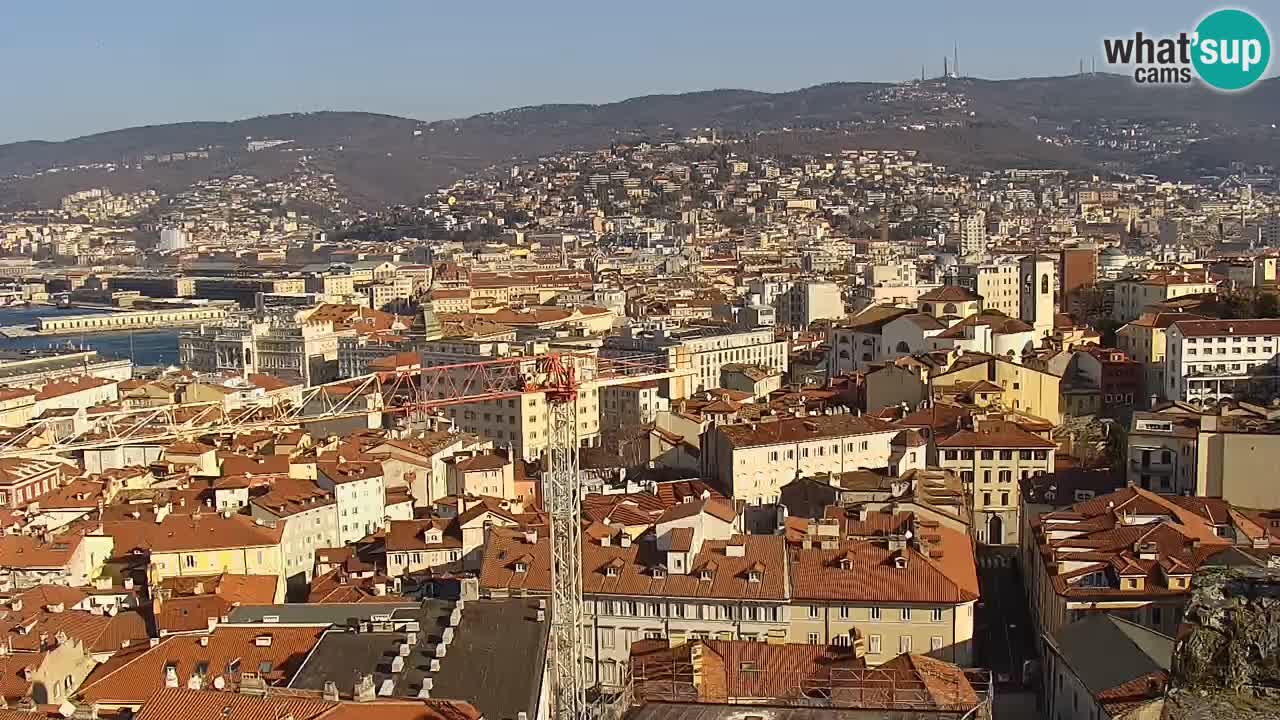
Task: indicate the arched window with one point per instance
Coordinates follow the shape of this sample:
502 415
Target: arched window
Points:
903 347
927 308
844 354
1044 284
949 309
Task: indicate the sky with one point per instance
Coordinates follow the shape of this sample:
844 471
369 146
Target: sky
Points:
74 67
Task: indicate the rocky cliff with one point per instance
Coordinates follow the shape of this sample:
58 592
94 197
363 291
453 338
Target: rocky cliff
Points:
1226 665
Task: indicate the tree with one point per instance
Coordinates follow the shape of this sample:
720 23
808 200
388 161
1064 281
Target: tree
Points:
1266 305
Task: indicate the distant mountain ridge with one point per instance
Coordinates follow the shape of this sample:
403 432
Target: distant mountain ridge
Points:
381 159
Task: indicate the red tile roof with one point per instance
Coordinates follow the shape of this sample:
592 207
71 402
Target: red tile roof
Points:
1213 328
730 576
868 571
143 673
790 430
996 434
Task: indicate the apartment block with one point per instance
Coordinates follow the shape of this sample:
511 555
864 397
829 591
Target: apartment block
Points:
1211 360
752 461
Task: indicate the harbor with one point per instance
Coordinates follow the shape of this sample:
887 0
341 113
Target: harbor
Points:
146 347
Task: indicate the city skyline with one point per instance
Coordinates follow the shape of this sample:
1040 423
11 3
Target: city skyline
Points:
110 68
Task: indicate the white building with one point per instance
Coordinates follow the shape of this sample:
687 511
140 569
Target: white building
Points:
701 350
310 517
970 233
279 345
172 239
358 488
1207 360
755 460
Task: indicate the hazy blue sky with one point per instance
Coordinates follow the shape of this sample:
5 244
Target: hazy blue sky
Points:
72 67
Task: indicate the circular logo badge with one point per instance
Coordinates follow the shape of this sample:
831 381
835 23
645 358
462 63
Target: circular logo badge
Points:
1232 49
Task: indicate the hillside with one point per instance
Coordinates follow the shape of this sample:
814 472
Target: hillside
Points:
381 159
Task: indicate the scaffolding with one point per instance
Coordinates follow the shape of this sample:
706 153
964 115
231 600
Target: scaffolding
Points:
685 676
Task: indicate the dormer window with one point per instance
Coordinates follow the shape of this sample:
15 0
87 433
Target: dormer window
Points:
705 575
521 567
611 571
753 576
659 573
846 563
900 561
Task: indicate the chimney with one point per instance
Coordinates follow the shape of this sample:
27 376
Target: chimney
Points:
170 676
364 691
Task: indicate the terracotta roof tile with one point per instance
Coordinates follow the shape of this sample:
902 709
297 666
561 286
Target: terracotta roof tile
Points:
790 430
731 577
144 673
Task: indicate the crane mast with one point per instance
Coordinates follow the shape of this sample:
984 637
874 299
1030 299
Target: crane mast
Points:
563 503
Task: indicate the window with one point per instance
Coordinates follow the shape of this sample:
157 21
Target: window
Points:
1004 498
1006 476
986 498
873 644
935 643
875 613
936 615
988 454
813 638
904 643
905 614
773 456
606 637
1006 454
986 477
813 611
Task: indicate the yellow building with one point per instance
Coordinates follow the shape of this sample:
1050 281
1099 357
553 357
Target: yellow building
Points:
178 545
1144 341
1023 389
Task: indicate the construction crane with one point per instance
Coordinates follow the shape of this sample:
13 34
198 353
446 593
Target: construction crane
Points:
412 393
562 491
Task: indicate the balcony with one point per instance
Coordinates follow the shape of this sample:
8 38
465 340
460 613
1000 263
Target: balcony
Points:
1152 468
